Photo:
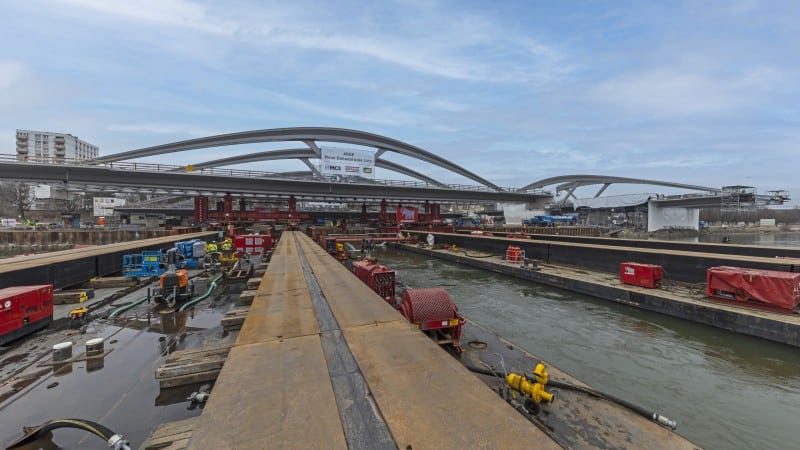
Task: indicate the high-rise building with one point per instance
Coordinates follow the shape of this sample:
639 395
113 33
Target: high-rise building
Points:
46 146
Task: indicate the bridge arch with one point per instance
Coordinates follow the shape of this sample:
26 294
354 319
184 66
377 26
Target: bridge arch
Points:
571 182
309 136
305 154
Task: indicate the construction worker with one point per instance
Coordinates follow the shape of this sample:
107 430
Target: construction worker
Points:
211 247
227 246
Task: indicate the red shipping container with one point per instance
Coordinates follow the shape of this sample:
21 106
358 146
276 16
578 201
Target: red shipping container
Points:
252 244
24 309
637 274
770 287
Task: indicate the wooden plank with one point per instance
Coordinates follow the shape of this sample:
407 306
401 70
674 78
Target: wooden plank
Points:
192 378
167 441
111 282
246 297
176 370
429 400
253 283
274 394
170 435
195 352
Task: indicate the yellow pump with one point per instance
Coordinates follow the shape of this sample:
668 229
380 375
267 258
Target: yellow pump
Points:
533 389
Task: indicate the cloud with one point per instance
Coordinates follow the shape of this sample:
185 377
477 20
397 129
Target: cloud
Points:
163 128
453 51
381 116
671 91
173 13
11 72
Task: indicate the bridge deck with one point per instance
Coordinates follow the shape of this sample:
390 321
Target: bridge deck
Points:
324 362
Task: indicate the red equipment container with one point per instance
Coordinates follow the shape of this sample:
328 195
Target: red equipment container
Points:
770 287
24 309
515 254
252 244
379 278
435 313
637 274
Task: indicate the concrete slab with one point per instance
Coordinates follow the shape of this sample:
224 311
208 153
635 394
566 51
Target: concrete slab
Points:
429 400
272 395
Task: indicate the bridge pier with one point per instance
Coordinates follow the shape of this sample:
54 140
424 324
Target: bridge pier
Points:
659 217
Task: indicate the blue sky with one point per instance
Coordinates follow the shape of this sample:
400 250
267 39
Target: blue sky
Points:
699 92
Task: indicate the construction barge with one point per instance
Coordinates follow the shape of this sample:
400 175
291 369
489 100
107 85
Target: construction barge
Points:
594 270
338 355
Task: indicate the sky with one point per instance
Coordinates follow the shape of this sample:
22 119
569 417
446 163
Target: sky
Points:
697 92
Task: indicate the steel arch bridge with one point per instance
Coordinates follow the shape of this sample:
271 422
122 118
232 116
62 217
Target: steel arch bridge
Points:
112 170
309 136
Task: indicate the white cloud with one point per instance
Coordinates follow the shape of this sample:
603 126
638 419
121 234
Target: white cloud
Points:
174 13
162 128
452 52
381 116
11 72
681 91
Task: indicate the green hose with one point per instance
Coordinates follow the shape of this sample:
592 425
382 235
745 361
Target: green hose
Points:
124 308
128 306
208 292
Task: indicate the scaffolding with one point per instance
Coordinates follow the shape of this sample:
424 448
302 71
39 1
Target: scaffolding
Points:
738 204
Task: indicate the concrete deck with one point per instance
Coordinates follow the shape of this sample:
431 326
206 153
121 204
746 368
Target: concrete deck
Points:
323 362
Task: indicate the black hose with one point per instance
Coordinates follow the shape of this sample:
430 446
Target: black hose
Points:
651 415
113 439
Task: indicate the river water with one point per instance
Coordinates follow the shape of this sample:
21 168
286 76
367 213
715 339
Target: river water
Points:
779 239
727 391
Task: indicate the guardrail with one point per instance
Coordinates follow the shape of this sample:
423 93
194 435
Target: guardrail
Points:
252 174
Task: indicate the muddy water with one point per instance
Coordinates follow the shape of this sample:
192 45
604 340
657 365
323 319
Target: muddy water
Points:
725 390
121 391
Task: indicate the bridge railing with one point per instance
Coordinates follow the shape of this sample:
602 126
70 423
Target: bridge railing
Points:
128 166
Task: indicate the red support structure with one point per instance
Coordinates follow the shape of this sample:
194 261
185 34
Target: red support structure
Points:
436 213
292 211
384 216
200 209
227 203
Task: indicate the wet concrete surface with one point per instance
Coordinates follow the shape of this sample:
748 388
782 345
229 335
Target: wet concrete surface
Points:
118 390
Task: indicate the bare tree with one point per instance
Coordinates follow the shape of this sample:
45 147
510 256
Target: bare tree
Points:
17 197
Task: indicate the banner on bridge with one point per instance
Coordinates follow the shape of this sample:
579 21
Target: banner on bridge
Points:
104 206
347 162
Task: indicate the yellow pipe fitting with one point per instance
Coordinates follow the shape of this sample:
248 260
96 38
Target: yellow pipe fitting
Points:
532 390
541 374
